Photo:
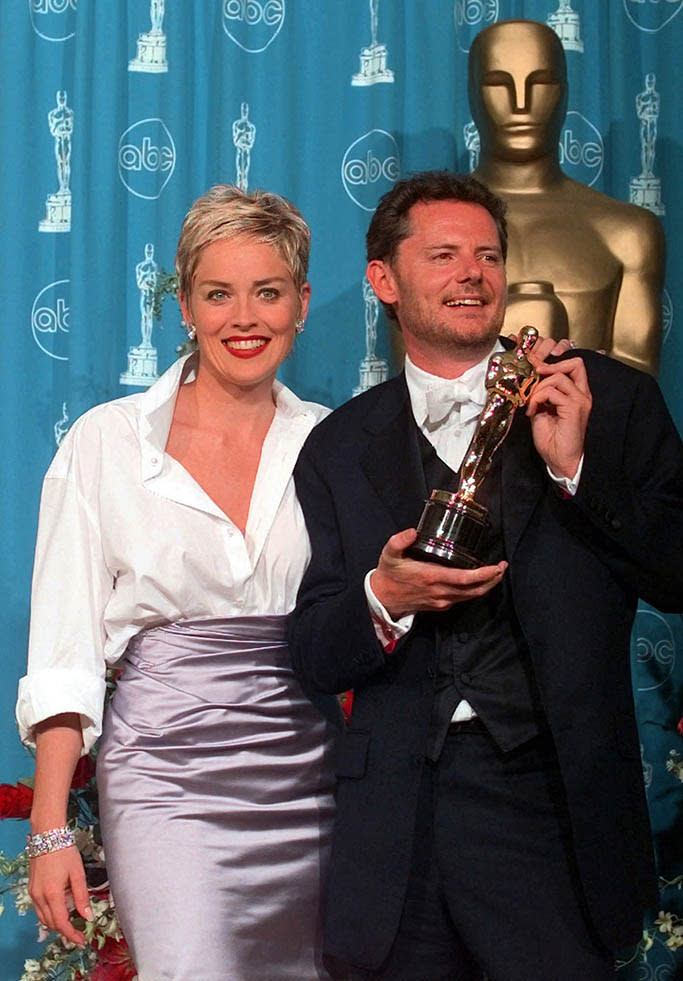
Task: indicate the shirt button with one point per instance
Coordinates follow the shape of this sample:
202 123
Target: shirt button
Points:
155 460
466 677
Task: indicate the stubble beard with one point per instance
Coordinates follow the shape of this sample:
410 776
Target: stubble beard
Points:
450 338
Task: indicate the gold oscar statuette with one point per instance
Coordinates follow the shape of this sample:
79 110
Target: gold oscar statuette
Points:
603 259
452 528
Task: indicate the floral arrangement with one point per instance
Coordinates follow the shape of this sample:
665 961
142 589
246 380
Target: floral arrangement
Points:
106 956
665 928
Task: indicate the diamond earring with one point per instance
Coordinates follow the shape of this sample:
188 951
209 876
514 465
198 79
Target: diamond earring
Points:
299 326
191 331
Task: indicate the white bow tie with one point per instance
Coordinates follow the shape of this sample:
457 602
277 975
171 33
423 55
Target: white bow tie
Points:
442 399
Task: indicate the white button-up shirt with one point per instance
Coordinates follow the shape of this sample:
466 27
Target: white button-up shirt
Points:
128 540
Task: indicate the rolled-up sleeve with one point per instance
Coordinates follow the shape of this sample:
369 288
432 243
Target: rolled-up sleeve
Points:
70 589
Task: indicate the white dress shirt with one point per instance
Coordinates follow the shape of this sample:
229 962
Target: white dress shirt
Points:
450 433
127 540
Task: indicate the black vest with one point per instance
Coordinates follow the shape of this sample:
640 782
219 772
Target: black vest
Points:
482 655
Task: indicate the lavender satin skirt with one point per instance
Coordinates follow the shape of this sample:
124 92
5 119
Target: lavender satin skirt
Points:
216 804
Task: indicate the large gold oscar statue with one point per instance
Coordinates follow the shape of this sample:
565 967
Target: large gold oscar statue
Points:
603 259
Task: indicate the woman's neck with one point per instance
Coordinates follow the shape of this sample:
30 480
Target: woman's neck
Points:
211 404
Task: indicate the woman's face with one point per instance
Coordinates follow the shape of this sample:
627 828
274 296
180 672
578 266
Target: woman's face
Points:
244 305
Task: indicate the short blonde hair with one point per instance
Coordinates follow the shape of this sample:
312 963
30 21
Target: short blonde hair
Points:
225 212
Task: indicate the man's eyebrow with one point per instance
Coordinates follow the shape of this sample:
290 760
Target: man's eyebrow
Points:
454 246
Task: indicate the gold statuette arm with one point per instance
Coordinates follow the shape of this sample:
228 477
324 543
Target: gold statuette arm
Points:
637 332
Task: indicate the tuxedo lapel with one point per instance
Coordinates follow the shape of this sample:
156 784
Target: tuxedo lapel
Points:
391 460
523 480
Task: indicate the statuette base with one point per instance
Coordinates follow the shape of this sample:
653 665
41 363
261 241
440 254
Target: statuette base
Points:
450 532
373 66
58 213
568 28
372 372
151 54
142 367
647 192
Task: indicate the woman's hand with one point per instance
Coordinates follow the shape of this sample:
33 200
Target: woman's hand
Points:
57 878
54 878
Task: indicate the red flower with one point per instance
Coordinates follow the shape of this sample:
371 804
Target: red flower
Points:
347 704
679 727
114 962
15 802
84 772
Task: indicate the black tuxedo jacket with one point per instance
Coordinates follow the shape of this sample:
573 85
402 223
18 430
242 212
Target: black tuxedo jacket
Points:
576 568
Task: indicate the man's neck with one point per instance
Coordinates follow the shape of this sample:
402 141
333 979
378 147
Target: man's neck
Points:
449 363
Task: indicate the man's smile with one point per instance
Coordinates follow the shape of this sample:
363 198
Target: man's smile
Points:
465 301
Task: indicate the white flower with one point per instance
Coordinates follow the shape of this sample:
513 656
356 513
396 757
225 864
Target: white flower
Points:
675 764
22 900
87 846
664 921
32 970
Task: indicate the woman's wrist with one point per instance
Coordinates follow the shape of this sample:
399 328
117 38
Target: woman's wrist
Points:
42 822
40 843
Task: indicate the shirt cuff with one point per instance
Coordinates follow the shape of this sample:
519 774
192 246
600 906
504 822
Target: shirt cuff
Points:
52 691
388 631
570 486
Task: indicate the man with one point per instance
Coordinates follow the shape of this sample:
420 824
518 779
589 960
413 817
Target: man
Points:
491 815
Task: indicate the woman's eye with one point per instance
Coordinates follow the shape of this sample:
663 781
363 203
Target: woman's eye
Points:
269 293
217 295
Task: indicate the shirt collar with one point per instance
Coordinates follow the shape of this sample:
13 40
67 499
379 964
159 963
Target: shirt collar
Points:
420 381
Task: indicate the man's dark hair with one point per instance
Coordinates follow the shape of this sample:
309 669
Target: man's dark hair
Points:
390 224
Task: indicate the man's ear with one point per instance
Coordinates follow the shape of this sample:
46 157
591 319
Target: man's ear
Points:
383 281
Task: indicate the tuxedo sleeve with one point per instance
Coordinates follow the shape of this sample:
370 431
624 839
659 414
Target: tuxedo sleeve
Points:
333 643
629 501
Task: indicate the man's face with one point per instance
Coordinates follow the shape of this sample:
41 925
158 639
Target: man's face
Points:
517 91
447 283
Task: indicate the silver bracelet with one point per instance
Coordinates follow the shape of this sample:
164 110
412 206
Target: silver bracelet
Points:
49 841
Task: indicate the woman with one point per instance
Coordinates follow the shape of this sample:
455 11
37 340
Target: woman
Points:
170 536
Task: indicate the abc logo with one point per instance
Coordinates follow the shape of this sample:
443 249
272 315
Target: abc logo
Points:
370 167
50 316
53 20
470 17
654 648
667 315
651 15
146 158
581 149
253 24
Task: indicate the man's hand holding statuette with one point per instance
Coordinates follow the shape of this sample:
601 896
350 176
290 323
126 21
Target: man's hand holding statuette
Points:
404 585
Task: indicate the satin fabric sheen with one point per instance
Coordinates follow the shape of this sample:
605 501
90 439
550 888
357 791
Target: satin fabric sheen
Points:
216 803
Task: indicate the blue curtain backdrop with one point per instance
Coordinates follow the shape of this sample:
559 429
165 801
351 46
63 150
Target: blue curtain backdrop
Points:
116 115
